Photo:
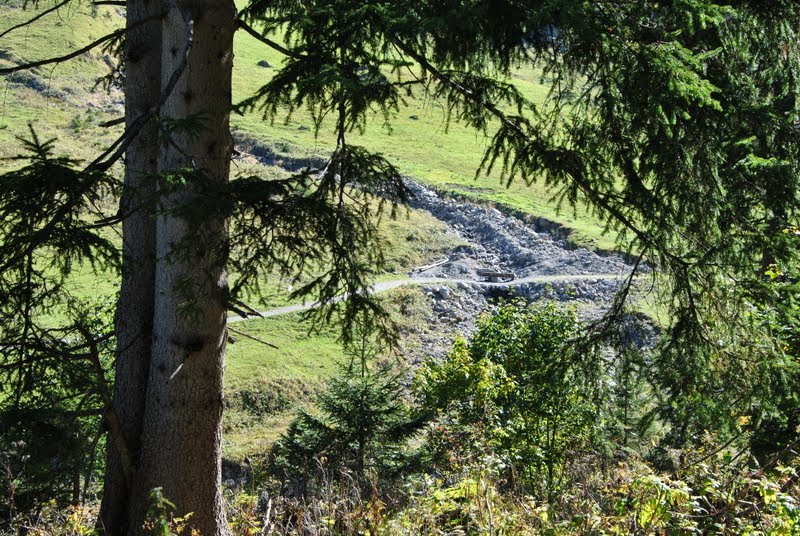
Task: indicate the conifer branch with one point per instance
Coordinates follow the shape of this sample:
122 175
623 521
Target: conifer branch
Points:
601 329
567 160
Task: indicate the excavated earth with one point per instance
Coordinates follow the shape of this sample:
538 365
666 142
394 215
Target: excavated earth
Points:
507 244
545 267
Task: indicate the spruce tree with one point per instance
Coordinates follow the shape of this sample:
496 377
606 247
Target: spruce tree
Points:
358 428
675 123
142 74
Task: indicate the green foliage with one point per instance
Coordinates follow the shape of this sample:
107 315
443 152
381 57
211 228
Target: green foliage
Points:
52 429
53 383
713 497
160 520
319 228
360 428
243 515
517 391
471 503
157 513
56 520
43 207
717 497
723 499
675 122
775 410
746 382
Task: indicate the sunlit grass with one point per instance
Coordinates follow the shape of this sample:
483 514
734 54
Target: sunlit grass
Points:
263 384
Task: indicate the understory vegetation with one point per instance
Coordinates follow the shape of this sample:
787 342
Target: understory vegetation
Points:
526 428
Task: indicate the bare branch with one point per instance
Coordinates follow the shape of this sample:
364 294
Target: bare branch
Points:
37 17
114 423
87 476
122 143
269 42
242 309
76 53
113 122
262 341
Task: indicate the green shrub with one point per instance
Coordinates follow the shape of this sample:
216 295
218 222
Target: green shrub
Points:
517 390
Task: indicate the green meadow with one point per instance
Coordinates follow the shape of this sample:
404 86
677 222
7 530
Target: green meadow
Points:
264 384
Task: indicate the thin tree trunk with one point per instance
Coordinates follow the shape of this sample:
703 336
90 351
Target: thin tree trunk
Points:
181 439
777 220
134 319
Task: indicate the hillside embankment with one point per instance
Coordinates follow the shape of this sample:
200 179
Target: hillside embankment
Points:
544 264
545 267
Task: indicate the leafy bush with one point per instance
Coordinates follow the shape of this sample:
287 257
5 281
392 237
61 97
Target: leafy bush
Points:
518 390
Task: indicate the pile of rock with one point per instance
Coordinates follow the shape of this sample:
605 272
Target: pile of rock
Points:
545 266
507 244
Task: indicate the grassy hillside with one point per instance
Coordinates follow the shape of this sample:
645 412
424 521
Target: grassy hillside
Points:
60 101
266 385
57 99
418 141
263 384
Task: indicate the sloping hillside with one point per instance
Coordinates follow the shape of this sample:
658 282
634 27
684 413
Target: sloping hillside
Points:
62 100
69 101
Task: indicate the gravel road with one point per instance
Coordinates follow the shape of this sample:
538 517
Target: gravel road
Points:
545 265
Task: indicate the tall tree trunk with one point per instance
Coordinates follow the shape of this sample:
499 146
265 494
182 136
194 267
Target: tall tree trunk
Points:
134 320
181 437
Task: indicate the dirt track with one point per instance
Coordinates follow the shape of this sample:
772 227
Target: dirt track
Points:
389 285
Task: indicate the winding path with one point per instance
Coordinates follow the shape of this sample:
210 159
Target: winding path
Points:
389 285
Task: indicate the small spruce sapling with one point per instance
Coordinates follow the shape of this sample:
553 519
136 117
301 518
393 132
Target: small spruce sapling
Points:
359 427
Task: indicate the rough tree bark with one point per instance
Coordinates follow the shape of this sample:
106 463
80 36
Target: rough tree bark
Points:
181 434
134 320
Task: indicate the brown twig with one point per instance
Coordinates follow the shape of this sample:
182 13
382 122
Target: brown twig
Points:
37 17
113 122
112 418
267 41
252 337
